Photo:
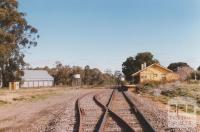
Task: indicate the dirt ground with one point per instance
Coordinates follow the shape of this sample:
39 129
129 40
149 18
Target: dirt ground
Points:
45 109
32 109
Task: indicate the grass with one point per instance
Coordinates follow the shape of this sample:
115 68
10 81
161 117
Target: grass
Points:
41 96
28 95
186 90
162 99
3 89
34 97
2 102
183 90
19 99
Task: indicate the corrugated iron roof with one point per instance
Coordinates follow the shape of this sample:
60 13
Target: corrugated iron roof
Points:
31 75
155 64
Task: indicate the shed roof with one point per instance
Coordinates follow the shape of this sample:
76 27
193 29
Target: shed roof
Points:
155 64
39 75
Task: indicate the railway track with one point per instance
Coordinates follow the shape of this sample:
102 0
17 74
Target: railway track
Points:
91 113
110 111
123 109
65 114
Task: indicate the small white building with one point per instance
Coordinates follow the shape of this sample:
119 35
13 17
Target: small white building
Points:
36 78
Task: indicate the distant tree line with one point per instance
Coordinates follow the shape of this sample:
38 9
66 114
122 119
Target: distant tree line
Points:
185 71
63 75
175 66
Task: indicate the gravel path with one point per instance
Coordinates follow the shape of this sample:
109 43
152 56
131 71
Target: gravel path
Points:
56 113
91 113
65 119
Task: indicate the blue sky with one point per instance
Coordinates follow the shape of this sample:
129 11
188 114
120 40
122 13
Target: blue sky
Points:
103 33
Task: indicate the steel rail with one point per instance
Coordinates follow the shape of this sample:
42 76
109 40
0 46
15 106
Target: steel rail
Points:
80 118
78 106
139 114
128 127
105 115
109 111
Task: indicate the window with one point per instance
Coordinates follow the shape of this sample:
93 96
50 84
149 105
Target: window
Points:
163 77
155 75
143 77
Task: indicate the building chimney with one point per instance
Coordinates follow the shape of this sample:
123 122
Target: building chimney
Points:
145 65
142 66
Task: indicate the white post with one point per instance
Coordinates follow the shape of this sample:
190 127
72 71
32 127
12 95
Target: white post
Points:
145 65
195 75
142 66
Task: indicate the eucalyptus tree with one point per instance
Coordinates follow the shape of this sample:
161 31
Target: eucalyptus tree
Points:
16 35
133 64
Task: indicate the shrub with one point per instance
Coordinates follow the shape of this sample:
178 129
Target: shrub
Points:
197 75
174 93
151 84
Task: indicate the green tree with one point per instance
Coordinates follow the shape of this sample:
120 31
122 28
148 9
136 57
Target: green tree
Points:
15 34
62 74
195 75
86 77
174 66
129 67
133 64
198 68
92 76
118 75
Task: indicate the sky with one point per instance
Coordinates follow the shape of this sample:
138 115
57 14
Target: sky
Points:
103 33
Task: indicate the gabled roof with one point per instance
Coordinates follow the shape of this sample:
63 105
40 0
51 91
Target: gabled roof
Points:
38 75
155 64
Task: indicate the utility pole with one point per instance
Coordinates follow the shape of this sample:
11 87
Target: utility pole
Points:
118 76
195 75
109 72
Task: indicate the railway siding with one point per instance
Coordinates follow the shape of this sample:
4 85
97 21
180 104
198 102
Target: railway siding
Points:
120 115
90 113
121 107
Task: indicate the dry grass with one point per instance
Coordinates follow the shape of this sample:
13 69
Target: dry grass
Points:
186 90
33 94
3 102
171 91
9 97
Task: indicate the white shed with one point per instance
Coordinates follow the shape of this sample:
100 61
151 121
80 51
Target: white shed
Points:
36 78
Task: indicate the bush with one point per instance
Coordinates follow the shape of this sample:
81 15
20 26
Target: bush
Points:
194 81
174 93
197 75
168 93
151 84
